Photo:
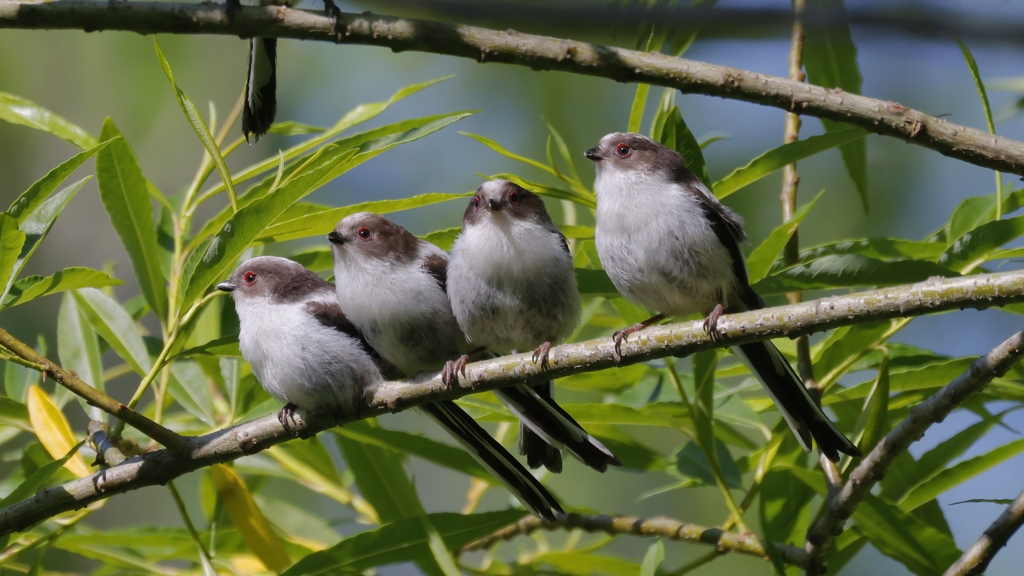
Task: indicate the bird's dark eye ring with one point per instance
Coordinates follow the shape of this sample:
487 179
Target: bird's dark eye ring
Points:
364 233
623 150
513 197
250 278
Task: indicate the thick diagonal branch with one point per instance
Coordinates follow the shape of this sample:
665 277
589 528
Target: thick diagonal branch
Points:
162 466
873 467
94 397
975 560
537 52
669 528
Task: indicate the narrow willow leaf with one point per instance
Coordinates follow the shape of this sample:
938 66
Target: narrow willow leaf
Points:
636 111
113 323
190 388
977 210
507 154
17 110
583 198
850 271
927 377
79 350
321 223
846 342
670 129
692 462
652 558
595 283
442 556
125 196
42 188
420 446
760 260
316 259
11 241
923 549
291 128
17 379
248 519
784 510
776 158
606 380
874 421
887 249
199 125
1002 502
584 563
443 239
563 151
36 224
28 289
401 541
830 58
53 431
380 477
958 474
972 64
38 479
226 346
974 247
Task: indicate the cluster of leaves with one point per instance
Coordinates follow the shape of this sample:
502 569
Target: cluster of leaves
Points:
731 438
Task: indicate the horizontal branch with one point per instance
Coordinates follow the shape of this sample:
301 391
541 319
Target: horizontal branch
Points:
538 52
91 395
874 466
669 528
975 560
683 339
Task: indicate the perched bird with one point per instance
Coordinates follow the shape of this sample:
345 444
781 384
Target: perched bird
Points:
670 246
513 288
393 286
260 105
307 355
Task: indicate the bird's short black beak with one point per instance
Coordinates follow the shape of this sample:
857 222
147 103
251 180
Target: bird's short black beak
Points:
594 154
495 205
226 287
336 238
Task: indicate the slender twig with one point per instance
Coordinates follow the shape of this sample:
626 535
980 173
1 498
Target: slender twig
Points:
683 339
975 560
91 395
204 556
874 466
645 527
537 52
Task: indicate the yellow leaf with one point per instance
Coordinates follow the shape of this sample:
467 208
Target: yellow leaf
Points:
247 564
53 430
248 519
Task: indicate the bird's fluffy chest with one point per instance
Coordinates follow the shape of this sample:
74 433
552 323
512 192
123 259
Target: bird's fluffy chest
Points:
658 247
512 286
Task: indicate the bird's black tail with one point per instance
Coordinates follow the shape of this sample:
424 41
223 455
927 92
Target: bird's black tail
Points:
260 88
538 452
555 427
493 456
793 400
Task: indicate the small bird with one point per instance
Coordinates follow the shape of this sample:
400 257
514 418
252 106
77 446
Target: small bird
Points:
670 246
394 287
260 105
308 355
512 287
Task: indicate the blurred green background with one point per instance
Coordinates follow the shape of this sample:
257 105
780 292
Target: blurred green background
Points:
912 190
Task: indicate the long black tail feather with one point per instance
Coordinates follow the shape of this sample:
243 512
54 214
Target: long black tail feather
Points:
538 452
260 88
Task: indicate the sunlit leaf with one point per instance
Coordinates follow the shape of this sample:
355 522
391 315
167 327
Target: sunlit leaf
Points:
873 423
878 248
421 446
190 388
974 246
692 462
248 518
17 110
32 287
652 558
42 188
776 158
849 271
670 129
125 196
958 474
443 239
760 260
291 128
226 346
79 350
924 378
11 241
595 283
918 546
581 563
380 476
785 511
636 111
113 323
53 431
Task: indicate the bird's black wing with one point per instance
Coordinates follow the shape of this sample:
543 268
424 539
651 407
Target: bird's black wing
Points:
437 266
331 315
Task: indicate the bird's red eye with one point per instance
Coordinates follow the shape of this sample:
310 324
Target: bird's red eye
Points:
250 278
364 233
475 202
623 150
513 197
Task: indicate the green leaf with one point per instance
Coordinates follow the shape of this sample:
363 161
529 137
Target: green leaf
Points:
507 154
36 224
927 377
973 247
609 380
653 558
776 158
1003 502
846 342
442 556
41 189
595 283
636 111
125 195
583 198
380 476
226 346
322 222
692 462
316 259
567 157
34 482
670 129
873 423
17 110
703 415
416 445
879 248
958 474
972 64
32 287
11 241
401 541
830 58
113 323
583 563
760 260
12 410
291 128
850 271
443 239
785 511
923 549
190 388
199 125
79 350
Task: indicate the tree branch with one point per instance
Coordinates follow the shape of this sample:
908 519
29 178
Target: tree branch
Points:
670 528
874 466
537 52
94 397
683 339
975 559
